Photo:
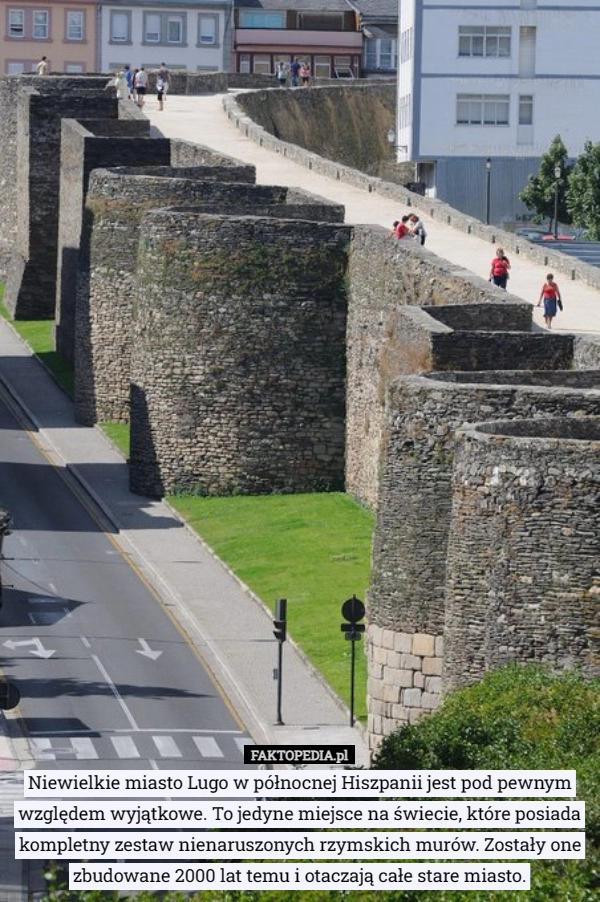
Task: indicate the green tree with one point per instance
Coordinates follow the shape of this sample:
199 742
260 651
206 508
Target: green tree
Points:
583 196
523 718
539 194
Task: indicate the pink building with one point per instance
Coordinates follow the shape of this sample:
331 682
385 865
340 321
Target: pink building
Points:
63 31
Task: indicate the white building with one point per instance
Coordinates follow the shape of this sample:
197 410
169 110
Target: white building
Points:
194 35
494 81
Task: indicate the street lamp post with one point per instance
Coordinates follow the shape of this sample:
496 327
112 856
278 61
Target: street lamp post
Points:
557 174
488 181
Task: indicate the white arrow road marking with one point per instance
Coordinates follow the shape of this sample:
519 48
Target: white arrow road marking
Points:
40 651
147 651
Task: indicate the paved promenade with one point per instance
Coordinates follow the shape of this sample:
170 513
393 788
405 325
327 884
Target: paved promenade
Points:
204 121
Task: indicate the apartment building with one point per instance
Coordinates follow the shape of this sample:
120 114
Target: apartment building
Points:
194 35
483 87
326 35
64 32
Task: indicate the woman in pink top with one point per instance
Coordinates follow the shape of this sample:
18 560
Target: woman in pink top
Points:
550 295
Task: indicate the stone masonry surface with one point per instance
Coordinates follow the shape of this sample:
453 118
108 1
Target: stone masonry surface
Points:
523 548
239 359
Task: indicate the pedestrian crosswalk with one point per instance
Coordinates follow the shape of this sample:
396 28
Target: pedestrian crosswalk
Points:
182 745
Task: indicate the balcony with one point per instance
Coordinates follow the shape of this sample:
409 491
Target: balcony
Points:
257 39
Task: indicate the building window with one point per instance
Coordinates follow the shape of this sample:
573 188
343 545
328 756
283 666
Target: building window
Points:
315 21
406 45
322 66
152 28
120 27
16 23
483 40
261 64
207 30
162 28
404 104
74 68
261 19
482 109
526 109
16 68
41 24
174 30
245 63
74 26
380 54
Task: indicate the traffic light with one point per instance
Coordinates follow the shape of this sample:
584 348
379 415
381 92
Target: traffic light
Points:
280 622
279 631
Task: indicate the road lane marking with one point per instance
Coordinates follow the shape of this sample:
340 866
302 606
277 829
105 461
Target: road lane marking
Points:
207 746
125 747
167 747
83 747
115 691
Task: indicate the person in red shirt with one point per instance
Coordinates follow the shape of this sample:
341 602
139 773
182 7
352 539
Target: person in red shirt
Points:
402 228
550 295
499 269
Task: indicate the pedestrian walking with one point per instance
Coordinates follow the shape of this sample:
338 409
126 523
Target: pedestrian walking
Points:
294 72
550 297
281 74
134 76
163 75
43 67
499 268
305 74
128 79
141 86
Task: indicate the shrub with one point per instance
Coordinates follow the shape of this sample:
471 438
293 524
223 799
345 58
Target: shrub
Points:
518 717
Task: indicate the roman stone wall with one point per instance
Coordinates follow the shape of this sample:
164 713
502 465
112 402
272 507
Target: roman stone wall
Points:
239 356
85 146
410 544
186 154
401 297
524 544
107 280
39 105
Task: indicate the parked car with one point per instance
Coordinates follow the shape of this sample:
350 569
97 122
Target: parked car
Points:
532 234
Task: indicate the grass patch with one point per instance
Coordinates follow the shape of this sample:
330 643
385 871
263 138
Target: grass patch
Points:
314 550
118 433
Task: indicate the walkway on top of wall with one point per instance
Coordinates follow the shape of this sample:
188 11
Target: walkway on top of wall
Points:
203 120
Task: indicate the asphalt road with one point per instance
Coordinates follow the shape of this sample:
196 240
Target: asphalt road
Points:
106 677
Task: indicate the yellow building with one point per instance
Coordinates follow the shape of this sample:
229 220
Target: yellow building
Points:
64 32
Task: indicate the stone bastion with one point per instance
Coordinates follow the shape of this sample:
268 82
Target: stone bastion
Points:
523 577
409 595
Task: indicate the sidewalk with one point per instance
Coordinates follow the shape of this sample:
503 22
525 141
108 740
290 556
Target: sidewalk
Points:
204 121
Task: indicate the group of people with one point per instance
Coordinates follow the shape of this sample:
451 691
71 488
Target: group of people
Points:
549 295
133 85
300 73
409 226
